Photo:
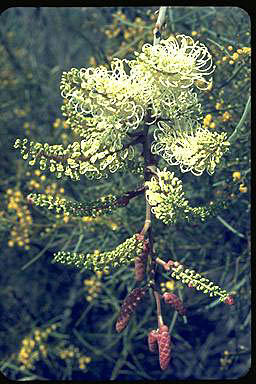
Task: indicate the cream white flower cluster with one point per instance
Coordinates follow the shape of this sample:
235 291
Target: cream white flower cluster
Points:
105 106
188 144
171 69
165 195
161 80
178 62
111 98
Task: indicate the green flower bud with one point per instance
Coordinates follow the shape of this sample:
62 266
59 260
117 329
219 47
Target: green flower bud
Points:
123 254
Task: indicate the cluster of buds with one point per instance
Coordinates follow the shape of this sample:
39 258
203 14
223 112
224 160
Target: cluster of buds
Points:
162 338
75 160
194 280
123 254
128 307
164 193
102 206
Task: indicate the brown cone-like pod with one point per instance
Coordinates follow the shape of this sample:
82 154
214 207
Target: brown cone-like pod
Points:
141 262
122 322
164 345
152 340
173 300
128 307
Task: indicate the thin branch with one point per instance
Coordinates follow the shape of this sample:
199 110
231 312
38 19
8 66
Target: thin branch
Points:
230 228
147 162
159 25
171 19
147 221
236 132
158 306
174 318
234 74
161 262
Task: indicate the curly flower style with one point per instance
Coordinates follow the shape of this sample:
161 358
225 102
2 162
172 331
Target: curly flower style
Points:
189 145
178 62
112 99
116 102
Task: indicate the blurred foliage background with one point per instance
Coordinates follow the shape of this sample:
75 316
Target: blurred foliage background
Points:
58 323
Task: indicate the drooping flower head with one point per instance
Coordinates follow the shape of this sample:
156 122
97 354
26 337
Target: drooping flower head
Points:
179 62
102 105
188 144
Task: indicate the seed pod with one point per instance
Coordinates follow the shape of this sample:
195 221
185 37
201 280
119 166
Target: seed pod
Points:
122 323
129 305
141 262
152 340
164 345
174 301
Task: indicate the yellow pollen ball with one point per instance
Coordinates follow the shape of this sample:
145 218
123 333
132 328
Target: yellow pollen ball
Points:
170 285
243 188
236 175
226 116
65 219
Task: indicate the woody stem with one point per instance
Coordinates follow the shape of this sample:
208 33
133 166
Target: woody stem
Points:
158 306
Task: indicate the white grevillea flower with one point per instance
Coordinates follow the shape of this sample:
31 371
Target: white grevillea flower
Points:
184 61
189 145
